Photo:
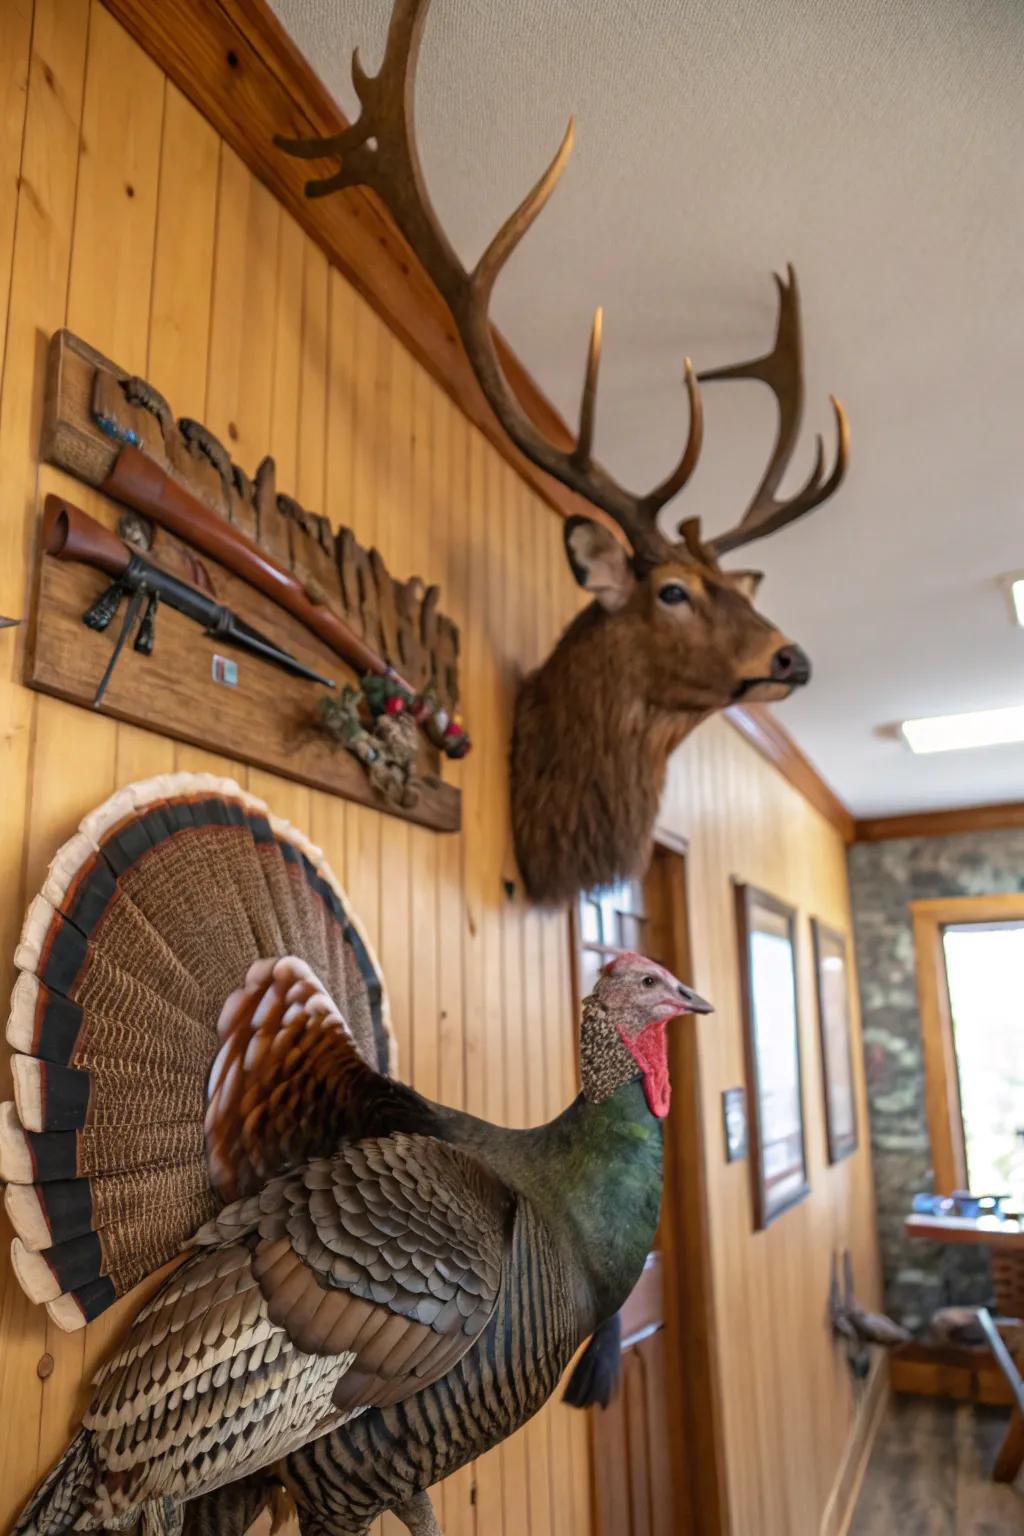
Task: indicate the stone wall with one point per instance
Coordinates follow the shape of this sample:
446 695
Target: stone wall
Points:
885 877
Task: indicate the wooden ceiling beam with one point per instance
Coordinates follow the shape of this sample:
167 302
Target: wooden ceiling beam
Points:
971 818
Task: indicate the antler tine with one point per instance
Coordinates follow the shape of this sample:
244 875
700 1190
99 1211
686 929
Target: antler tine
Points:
673 483
588 400
782 370
520 219
379 151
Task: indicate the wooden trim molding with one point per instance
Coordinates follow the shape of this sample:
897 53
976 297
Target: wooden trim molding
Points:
846 1489
237 65
969 818
942 1083
760 726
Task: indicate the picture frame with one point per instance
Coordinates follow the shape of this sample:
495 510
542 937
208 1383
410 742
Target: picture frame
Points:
734 1124
770 998
835 1029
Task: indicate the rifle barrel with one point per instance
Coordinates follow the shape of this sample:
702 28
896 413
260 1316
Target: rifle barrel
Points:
71 534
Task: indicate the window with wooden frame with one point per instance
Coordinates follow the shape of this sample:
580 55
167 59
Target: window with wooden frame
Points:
610 922
970 970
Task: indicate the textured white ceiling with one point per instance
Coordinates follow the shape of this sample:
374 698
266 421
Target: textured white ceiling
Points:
879 145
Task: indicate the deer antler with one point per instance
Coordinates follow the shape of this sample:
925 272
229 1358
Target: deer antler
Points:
379 151
782 370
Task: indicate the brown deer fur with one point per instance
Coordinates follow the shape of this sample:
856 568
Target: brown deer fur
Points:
630 678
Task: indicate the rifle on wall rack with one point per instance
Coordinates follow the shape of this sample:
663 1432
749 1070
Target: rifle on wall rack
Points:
119 434
71 534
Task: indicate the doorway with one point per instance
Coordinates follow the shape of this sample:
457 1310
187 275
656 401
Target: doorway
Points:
658 1464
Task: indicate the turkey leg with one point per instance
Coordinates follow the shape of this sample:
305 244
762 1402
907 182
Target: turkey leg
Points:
418 1516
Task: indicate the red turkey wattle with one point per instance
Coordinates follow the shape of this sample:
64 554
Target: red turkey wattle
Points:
649 1050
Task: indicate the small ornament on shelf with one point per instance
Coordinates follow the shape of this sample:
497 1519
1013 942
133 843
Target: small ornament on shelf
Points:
377 722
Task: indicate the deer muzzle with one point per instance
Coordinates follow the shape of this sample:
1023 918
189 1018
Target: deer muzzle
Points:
791 665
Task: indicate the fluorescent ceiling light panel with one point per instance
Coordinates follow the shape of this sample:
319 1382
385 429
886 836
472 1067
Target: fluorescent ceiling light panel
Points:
951 733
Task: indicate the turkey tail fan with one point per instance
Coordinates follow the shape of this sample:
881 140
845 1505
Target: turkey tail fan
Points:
151 915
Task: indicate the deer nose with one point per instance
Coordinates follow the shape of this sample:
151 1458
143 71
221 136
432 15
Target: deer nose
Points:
791 665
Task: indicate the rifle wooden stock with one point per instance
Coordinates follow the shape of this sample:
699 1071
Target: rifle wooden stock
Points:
71 534
143 485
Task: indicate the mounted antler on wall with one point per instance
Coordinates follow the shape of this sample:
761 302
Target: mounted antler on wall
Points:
671 637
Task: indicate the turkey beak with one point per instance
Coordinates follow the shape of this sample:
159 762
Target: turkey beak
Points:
692 1002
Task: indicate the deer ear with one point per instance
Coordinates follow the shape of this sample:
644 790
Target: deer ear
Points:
746 582
599 562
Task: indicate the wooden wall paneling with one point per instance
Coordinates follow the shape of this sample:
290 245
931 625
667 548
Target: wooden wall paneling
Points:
394 482
15 53
492 851
183 261
537 538
568 598
485 856
515 1464
348 833
283 268
324 408
353 342
784 1384
311 475
424 510
450 487
547 1098
177 345
491 1023
475 809
518 603
569 1429
179 327
56 798
534 530
115 205
118 185
448 560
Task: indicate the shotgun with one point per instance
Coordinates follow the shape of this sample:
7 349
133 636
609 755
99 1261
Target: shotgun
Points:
141 484
71 534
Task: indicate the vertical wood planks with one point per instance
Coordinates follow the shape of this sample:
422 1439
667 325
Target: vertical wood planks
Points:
122 214
109 289
15 50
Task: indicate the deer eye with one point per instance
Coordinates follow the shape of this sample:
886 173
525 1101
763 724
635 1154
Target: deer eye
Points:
672 594
648 981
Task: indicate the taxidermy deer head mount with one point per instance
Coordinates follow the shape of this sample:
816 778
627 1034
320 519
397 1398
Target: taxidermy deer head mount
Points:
670 636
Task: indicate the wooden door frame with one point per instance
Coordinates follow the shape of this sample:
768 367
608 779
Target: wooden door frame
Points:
690 1319
695 1407
943 1109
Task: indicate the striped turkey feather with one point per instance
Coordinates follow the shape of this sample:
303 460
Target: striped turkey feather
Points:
150 920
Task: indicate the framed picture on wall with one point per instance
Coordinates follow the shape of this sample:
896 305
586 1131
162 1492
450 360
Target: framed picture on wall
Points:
832 973
771 1027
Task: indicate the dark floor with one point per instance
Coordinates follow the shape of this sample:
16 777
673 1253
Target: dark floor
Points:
929 1474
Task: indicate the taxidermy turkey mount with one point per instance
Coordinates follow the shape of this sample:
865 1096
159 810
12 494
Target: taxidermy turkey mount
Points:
362 1264
671 637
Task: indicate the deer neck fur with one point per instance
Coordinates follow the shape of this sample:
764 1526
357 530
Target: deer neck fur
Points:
586 727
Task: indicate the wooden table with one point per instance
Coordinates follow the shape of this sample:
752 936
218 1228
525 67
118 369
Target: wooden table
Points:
1005 1240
